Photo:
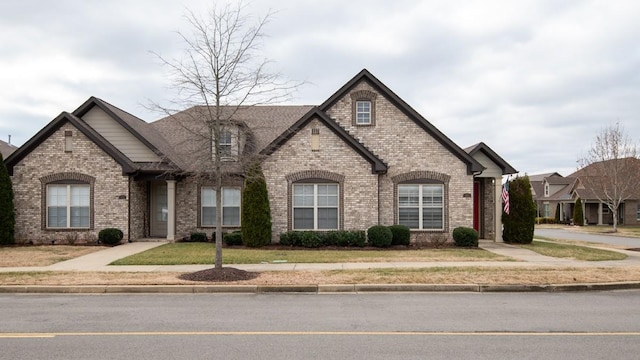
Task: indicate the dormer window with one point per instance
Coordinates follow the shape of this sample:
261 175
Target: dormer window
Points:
363 112
225 143
546 190
364 108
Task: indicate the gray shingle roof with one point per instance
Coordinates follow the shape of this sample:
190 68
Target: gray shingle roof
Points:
183 130
6 149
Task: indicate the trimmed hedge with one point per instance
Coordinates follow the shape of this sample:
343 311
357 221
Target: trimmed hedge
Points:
379 236
520 222
256 213
110 236
232 238
198 237
578 215
401 234
465 237
313 239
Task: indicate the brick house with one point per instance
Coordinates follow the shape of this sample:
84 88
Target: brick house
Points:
363 157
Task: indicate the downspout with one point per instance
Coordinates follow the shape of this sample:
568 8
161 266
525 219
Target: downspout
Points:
379 216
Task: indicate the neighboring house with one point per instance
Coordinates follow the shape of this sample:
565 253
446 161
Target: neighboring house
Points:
6 149
550 190
597 213
361 158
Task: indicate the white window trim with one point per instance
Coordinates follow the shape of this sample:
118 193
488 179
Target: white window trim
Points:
315 207
202 224
546 209
546 190
68 206
421 206
369 113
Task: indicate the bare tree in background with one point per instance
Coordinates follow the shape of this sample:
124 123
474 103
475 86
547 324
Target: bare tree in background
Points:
610 169
220 74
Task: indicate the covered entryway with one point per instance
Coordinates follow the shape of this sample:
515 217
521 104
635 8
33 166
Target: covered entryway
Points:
487 186
159 209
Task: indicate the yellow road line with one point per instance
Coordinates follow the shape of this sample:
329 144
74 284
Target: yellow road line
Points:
316 333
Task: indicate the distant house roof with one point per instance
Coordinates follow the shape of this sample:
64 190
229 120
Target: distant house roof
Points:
590 186
540 177
6 149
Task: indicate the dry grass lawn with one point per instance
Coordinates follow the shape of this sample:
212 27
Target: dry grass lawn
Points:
470 275
13 256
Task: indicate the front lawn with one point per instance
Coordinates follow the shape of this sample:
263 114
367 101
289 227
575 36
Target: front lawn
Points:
573 251
203 253
15 256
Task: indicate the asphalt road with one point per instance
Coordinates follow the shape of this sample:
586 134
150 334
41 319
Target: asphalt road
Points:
630 242
329 326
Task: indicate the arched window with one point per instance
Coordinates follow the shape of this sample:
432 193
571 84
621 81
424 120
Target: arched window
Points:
315 200
68 201
421 200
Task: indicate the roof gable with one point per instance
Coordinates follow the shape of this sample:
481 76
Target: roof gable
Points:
138 128
377 165
473 166
493 156
127 165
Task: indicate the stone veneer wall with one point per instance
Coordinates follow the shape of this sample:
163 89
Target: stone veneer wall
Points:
488 201
359 187
110 190
405 147
139 209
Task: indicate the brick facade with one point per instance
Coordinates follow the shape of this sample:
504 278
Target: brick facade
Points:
85 163
296 157
369 199
405 147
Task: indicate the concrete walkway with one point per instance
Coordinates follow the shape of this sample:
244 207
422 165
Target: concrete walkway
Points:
100 260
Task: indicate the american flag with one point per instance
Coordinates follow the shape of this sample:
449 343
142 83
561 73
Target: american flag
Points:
505 196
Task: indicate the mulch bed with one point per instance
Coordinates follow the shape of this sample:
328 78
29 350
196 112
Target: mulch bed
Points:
225 274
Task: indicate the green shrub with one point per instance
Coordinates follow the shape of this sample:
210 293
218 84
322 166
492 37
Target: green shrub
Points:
545 220
311 239
401 234
466 237
256 213
379 236
520 222
110 236
233 238
291 238
578 215
7 214
198 237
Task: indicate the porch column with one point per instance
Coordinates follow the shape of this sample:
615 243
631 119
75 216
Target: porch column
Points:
498 209
600 213
171 210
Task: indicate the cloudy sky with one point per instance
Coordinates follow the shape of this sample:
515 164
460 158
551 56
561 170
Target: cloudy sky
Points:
535 80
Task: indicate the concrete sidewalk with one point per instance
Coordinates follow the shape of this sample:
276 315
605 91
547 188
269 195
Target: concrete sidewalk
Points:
100 260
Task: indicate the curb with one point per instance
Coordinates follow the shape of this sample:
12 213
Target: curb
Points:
311 289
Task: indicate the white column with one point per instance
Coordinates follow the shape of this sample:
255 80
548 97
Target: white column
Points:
599 213
498 209
171 210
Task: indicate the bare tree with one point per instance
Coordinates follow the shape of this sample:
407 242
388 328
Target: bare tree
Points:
609 170
220 75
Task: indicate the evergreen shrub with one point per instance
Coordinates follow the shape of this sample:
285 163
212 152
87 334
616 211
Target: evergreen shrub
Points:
401 234
110 236
465 237
379 236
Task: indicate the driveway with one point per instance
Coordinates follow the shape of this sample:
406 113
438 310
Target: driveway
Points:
629 242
